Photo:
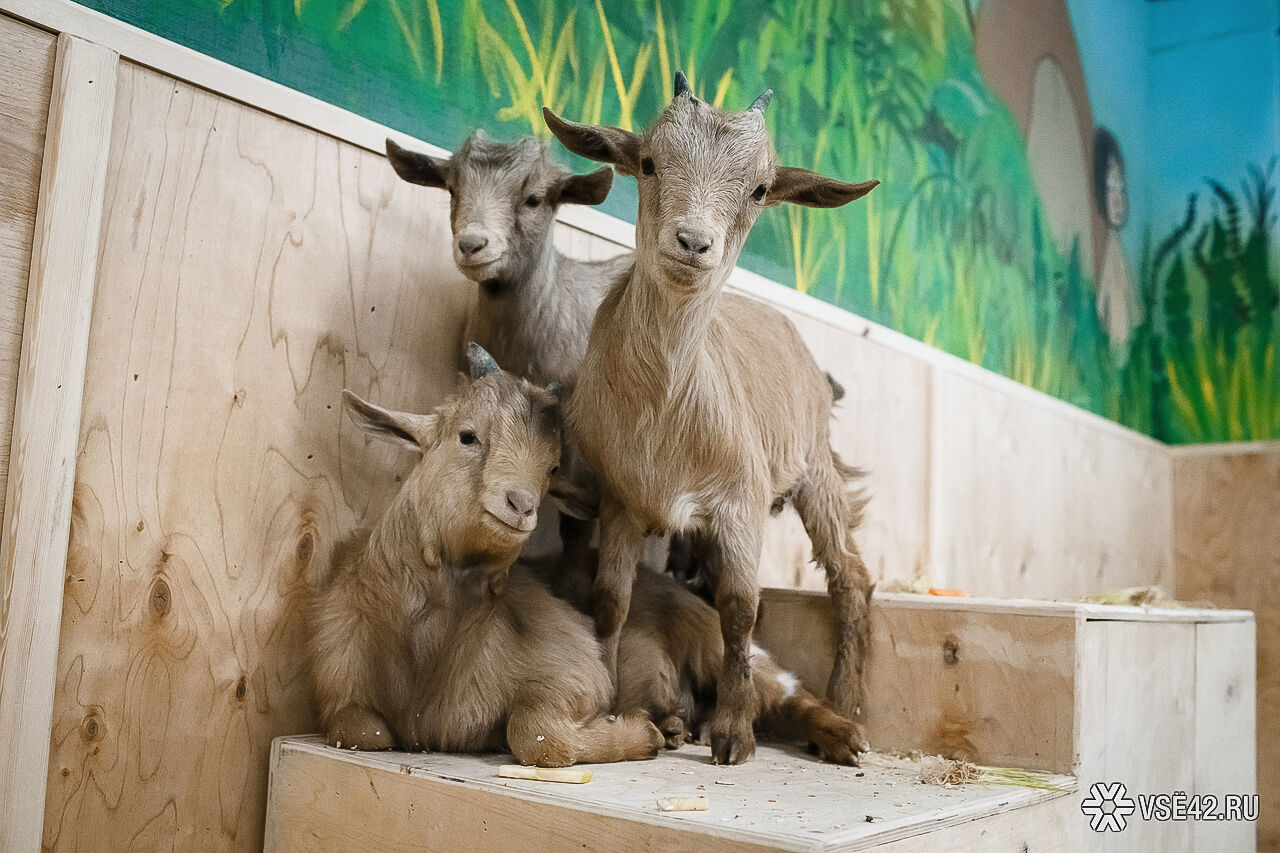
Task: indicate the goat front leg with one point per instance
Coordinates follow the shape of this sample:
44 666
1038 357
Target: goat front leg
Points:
733 740
621 541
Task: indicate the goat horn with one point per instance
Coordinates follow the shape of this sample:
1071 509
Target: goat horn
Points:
482 364
761 102
682 85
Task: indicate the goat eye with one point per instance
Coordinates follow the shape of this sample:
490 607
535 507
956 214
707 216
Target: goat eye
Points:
467 437
554 469
532 201
759 193
646 165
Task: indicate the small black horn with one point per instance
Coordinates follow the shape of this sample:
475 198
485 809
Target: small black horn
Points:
682 85
482 364
761 102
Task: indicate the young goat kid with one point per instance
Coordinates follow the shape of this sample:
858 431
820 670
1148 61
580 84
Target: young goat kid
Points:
699 410
425 637
670 655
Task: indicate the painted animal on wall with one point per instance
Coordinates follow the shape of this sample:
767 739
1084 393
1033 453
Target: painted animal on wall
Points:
718 389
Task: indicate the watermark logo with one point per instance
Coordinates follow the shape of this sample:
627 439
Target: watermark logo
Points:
1108 806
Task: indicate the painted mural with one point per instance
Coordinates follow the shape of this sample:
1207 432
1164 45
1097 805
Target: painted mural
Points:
1023 223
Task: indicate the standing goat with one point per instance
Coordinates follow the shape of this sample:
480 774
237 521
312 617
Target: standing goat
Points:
535 306
425 637
699 410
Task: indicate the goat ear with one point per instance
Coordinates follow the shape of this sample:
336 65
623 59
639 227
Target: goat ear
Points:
417 168
800 186
407 430
573 500
592 188
613 145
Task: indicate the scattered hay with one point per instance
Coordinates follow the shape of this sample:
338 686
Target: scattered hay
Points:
1141 596
919 586
950 772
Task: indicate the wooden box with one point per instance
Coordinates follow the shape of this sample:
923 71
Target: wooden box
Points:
1160 700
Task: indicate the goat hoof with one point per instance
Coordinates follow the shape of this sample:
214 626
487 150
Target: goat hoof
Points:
673 731
840 743
732 744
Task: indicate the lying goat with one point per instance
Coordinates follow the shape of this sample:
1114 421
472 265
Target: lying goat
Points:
425 638
670 654
698 410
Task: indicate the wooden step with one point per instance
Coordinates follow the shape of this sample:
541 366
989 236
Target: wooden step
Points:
324 799
1162 700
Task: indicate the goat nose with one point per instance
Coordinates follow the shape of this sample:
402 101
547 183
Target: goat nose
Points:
694 241
522 501
469 244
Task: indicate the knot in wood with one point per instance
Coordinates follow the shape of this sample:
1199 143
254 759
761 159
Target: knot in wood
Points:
161 598
92 728
950 651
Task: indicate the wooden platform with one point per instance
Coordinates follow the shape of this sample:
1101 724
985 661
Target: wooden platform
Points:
323 799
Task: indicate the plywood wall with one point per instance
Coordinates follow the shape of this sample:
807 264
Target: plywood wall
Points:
1030 499
1227 528
250 269
27 55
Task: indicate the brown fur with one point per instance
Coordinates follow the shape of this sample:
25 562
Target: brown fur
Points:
670 655
699 410
425 638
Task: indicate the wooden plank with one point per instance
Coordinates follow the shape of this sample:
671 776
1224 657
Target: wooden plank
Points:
37 512
1137 722
1053 825
28 57
325 799
1226 748
1227 546
1027 503
250 270
996 687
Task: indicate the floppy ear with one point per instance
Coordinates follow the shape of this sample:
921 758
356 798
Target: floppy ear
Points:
613 145
417 168
800 186
592 188
407 430
573 500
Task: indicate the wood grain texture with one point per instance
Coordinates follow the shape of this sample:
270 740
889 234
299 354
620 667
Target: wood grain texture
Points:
327 799
1027 502
1226 506
250 270
1137 722
1226 746
46 423
996 687
27 54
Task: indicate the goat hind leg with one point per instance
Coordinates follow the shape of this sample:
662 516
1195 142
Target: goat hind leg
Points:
831 512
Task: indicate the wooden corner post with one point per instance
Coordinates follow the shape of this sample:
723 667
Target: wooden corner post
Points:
46 425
